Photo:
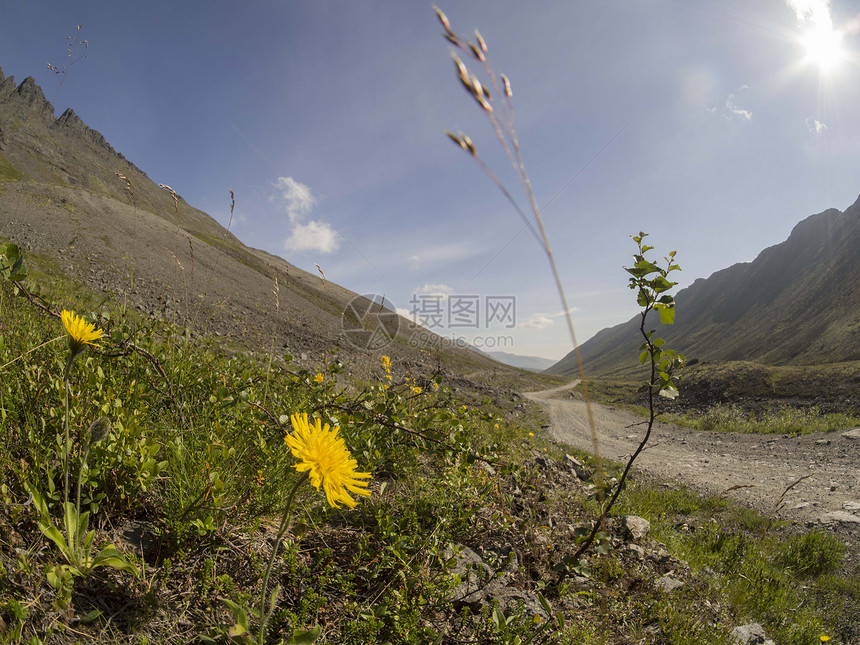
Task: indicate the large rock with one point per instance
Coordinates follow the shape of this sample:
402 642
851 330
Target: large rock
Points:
480 585
839 517
636 527
750 634
577 467
474 575
668 584
853 434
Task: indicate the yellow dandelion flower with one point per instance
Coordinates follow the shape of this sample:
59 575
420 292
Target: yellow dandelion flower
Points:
80 331
319 378
326 458
531 434
496 426
824 638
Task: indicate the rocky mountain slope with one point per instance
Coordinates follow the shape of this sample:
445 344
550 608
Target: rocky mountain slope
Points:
797 303
62 196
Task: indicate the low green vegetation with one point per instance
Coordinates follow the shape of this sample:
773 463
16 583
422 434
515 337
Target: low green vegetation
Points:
769 418
772 420
8 172
791 583
144 499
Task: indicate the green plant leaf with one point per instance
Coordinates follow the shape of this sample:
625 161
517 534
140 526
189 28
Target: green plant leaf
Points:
667 313
544 603
304 637
110 556
53 534
498 617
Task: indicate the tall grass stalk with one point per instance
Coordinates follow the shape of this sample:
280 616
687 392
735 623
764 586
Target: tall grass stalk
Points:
500 113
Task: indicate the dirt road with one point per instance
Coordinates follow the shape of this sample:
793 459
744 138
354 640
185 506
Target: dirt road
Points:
713 462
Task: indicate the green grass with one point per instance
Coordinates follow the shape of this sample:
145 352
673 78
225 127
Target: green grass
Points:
796 585
775 420
8 172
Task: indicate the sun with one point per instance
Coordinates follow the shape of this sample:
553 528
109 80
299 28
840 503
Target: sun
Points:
823 46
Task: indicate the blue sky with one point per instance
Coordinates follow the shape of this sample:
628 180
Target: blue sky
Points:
704 123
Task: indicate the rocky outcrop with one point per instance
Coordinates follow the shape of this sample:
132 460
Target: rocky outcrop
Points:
32 96
7 87
71 123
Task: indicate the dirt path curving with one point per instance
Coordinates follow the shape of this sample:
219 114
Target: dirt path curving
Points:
762 466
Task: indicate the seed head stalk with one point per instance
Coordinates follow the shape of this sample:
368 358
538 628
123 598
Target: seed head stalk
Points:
502 122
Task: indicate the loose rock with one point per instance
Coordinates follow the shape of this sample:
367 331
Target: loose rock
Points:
636 527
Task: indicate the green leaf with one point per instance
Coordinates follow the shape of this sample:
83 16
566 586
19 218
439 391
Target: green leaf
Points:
240 612
38 502
669 391
544 603
498 617
667 313
304 637
109 556
53 533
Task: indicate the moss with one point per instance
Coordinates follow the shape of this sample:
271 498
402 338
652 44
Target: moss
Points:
8 172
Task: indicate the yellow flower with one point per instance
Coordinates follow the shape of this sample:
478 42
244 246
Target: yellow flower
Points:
416 389
386 362
80 331
319 378
326 458
531 434
496 426
824 638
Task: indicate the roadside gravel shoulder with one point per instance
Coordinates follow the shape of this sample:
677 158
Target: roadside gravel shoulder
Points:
752 469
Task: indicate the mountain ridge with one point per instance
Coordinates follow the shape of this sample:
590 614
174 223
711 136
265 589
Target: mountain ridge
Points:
796 303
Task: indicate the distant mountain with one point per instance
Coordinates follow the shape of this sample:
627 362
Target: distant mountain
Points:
61 197
531 363
797 303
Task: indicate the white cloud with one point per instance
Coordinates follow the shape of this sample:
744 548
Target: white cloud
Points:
815 126
313 236
298 201
297 198
732 107
434 290
730 110
537 321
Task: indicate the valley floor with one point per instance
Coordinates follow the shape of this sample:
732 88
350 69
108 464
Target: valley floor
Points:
751 468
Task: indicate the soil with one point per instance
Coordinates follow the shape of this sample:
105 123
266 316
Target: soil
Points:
753 469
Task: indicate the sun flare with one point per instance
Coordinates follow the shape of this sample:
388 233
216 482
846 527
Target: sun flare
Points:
823 48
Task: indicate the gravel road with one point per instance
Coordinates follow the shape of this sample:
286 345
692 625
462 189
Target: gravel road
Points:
760 466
